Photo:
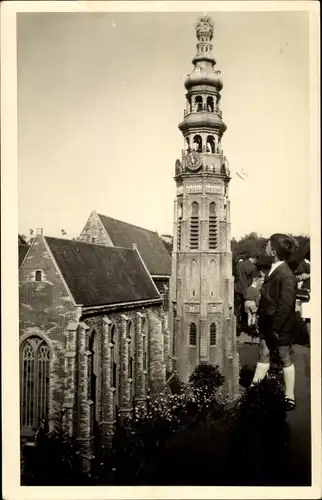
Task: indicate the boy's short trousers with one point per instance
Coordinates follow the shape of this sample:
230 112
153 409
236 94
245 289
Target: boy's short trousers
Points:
250 306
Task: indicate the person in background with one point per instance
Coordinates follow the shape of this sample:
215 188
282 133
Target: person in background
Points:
251 297
303 273
276 315
245 272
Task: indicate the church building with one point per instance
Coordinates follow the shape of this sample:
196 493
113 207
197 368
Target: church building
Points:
93 335
201 290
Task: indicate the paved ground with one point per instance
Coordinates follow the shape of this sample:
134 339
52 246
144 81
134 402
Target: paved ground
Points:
299 470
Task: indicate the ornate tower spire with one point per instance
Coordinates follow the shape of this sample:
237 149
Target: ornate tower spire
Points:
201 287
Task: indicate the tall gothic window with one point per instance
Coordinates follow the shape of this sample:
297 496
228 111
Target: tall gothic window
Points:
213 334
192 334
115 357
145 340
131 367
93 373
34 380
213 227
193 279
194 226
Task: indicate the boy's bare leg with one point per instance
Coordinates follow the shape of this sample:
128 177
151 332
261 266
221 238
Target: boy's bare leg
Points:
262 366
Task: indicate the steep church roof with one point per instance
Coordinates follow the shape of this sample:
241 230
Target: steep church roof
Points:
151 247
99 275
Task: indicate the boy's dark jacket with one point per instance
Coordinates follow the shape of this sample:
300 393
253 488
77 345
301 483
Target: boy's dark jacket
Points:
276 308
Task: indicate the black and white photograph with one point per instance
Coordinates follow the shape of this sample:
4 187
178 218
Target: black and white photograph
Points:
160 208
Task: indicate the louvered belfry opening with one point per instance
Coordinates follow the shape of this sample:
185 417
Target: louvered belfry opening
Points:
192 334
213 227
194 226
34 382
179 235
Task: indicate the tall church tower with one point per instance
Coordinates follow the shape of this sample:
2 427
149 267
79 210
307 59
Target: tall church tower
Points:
201 291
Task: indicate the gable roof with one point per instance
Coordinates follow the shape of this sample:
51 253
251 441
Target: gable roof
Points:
151 247
99 275
22 252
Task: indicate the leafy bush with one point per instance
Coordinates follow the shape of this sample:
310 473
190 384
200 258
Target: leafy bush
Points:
206 378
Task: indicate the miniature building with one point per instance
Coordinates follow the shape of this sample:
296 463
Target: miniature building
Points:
93 335
103 230
201 312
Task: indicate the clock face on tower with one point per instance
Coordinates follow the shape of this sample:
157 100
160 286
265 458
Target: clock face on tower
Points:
193 161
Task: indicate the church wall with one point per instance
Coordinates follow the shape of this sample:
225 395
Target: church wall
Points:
95 229
44 306
45 310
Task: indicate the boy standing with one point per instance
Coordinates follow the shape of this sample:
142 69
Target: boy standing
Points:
276 314
251 297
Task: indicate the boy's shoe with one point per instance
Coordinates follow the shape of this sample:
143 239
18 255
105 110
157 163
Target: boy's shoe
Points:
289 404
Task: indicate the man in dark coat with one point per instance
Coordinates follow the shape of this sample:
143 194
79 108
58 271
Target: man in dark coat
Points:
276 314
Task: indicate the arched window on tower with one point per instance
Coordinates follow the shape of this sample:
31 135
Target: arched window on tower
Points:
192 334
213 335
194 226
210 104
193 279
198 103
131 367
213 229
34 380
197 143
211 144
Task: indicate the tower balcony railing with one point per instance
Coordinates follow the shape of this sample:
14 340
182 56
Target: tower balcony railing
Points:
202 109
215 150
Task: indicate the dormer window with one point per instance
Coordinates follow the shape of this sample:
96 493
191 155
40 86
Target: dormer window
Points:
93 240
38 276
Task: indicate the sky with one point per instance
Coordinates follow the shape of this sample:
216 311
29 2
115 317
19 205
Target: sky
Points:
100 97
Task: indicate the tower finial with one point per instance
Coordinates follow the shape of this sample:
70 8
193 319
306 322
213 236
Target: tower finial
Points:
205 28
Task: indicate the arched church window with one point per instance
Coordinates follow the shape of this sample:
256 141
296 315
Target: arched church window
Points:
194 226
34 380
210 144
210 104
145 342
192 334
131 367
213 334
213 226
93 372
198 103
197 143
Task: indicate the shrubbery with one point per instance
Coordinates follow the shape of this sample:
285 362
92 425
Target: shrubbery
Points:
187 438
